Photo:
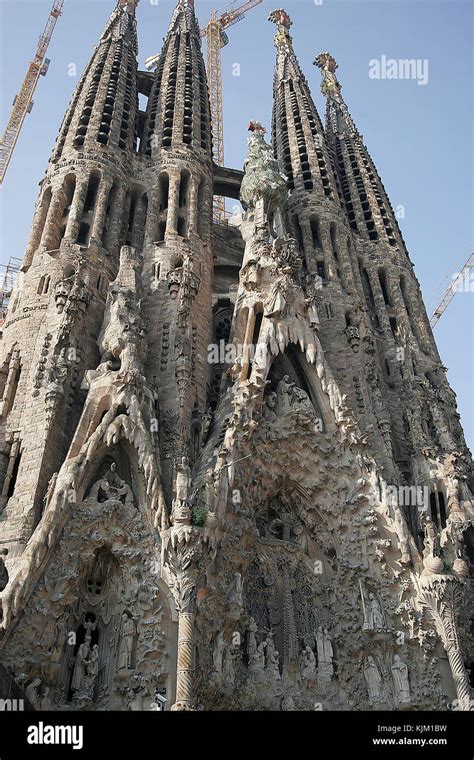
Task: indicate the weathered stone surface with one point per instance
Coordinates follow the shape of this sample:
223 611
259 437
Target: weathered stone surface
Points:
232 468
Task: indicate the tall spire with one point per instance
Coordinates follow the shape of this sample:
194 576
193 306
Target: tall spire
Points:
366 201
104 107
298 135
178 110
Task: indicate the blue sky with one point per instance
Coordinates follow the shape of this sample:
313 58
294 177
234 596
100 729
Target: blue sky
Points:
419 136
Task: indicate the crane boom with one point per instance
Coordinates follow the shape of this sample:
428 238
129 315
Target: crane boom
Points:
451 290
22 102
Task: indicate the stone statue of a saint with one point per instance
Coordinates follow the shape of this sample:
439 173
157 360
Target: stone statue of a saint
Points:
373 680
251 639
183 481
308 663
126 642
273 665
374 618
80 663
400 680
325 653
92 671
257 663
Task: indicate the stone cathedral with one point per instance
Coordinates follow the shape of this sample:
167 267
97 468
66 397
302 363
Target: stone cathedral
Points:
232 472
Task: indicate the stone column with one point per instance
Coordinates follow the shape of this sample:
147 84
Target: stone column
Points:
151 226
115 227
173 200
9 390
53 220
192 205
183 552
379 301
11 464
184 674
76 211
308 249
36 229
100 210
328 255
247 343
139 223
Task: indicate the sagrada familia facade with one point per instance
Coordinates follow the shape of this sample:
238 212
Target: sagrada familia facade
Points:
233 476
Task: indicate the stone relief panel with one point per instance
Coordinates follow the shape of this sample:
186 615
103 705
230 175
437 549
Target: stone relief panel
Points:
99 632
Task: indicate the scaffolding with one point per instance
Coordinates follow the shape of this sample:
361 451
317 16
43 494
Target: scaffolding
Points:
8 275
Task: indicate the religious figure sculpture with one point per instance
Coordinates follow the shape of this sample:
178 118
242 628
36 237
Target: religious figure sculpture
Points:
232 654
92 671
373 680
181 511
325 654
269 644
218 656
257 663
273 665
400 680
373 615
308 663
45 703
376 614
126 642
251 639
80 663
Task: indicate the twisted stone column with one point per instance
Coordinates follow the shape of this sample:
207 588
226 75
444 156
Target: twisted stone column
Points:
184 674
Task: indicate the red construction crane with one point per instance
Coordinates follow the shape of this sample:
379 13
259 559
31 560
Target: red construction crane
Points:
24 99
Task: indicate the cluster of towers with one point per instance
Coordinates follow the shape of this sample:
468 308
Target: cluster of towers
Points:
189 524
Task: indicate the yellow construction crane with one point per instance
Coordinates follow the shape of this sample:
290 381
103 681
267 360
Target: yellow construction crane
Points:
23 101
457 285
216 39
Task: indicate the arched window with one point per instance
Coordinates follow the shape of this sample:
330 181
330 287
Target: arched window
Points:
43 285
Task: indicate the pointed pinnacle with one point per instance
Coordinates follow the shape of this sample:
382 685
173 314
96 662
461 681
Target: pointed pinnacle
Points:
328 65
281 18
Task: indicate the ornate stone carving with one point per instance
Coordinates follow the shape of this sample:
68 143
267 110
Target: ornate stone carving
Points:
373 680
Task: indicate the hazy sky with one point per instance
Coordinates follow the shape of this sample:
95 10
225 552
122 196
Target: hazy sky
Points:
420 136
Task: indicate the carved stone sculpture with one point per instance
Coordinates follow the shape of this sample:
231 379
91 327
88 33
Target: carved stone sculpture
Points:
127 637
400 680
373 680
325 654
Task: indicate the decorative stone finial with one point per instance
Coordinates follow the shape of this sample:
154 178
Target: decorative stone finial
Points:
255 126
262 178
129 4
283 23
328 66
280 18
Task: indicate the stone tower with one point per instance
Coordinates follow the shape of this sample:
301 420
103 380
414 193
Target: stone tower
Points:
232 470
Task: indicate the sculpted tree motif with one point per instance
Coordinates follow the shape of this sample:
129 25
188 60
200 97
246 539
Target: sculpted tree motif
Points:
441 596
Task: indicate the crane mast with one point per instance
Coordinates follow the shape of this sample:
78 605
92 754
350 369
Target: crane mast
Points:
216 39
23 101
